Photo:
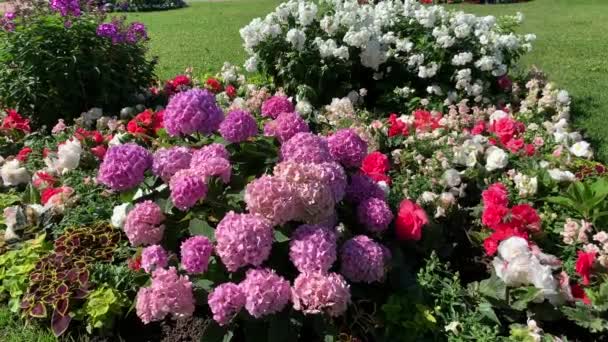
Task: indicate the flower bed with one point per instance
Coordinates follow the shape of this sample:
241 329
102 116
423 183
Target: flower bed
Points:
251 213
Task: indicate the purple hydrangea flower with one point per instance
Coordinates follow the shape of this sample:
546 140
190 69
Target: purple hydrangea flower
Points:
195 253
276 105
243 239
238 126
265 292
123 166
362 187
285 126
153 257
306 148
374 214
187 188
272 198
317 203
315 293
143 225
169 293
364 260
207 152
66 7
347 147
331 174
313 248
192 111
225 301
167 161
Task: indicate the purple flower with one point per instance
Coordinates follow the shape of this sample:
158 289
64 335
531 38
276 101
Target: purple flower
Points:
9 15
306 148
313 248
195 253
364 260
272 198
219 167
265 292
238 126
276 105
66 7
331 174
207 152
167 161
136 32
143 225
112 31
225 301
285 126
123 166
187 188
362 187
243 239
315 293
192 111
374 214
169 293
347 147
153 257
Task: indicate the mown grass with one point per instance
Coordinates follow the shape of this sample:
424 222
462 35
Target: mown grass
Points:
12 329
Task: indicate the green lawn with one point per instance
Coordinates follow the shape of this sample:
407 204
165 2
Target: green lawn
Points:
12 329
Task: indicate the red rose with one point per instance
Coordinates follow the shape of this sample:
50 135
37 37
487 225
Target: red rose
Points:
425 121
14 120
530 150
42 178
231 91
493 215
99 151
479 128
24 153
97 137
524 216
396 126
214 85
495 194
584 264
48 193
375 163
410 220
515 145
579 293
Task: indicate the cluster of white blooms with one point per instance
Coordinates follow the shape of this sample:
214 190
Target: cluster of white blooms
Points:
67 157
525 185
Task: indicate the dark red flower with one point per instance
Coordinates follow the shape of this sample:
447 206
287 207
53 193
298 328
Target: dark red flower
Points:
42 178
530 150
491 243
410 220
579 293
135 263
231 91
493 215
48 193
396 126
525 217
479 128
504 82
158 121
24 153
584 265
213 84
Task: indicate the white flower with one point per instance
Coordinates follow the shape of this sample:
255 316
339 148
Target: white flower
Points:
581 149
497 115
67 157
462 58
329 25
428 71
527 186
512 248
384 186
562 176
515 272
428 197
307 12
447 199
119 215
485 63
251 64
453 327
373 55
404 45
341 53
304 107
563 97
496 158
297 38
13 173
451 178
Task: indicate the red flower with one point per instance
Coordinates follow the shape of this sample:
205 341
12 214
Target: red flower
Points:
97 137
134 128
375 163
504 82
579 293
515 145
491 243
181 80
396 126
526 217
42 178
493 215
584 264
214 85
48 193
479 128
410 220
135 263
24 153
530 150
505 128
231 91
425 121
14 120
158 121
495 194
99 151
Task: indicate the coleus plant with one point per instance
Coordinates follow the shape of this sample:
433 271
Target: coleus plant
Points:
62 277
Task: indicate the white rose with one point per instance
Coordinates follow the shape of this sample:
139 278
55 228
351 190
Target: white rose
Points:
562 176
581 149
67 158
119 215
512 248
13 173
451 177
496 158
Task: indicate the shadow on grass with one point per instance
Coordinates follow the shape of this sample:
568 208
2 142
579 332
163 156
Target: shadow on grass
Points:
581 110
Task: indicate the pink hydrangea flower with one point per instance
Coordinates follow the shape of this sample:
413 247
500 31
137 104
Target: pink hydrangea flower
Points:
265 292
347 147
315 293
313 248
306 148
192 111
143 225
187 188
225 301
276 105
364 260
272 198
285 126
195 253
153 257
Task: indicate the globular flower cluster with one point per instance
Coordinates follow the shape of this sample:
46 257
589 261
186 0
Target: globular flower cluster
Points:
313 248
364 260
153 257
195 253
169 293
315 293
66 7
330 174
143 225
276 105
285 126
123 166
272 198
375 214
207 152
238 126
306 148
265 292
212 160
361 187
119 33
192 111
347 147
225 301
167 161
187 188
243 239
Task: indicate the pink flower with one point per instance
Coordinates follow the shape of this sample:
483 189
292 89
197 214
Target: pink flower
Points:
493 215
495 194
410 220
375 163
59 127
479 128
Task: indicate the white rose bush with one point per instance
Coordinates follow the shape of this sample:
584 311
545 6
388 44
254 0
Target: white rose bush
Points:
397 180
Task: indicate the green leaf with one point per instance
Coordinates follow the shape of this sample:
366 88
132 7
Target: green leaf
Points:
485 309
280 237
584 316
6 200
523 296
204 284
200 227
214 333
493 287
127 196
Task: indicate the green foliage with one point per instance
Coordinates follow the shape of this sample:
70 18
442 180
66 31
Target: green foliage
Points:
586 199
50 70
13 329
102 306
144 5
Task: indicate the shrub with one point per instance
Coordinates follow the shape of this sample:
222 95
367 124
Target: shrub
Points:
56 67
142 5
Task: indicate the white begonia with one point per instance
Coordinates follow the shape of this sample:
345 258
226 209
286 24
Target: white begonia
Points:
251 64
447 199
428 71
451 177
581 149
463 78
496 158
462 58
561 176
13 173
119 215
526 186
67 157
373 55
297 38
404 45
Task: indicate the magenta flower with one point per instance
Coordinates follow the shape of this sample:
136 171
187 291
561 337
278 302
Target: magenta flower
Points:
195 253
143 225
225 301
265 292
